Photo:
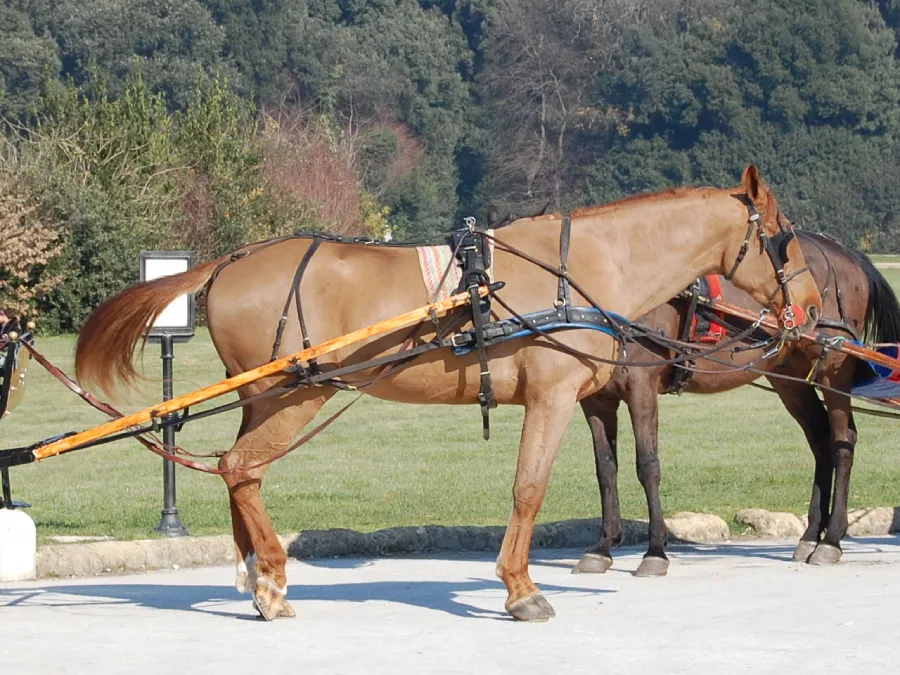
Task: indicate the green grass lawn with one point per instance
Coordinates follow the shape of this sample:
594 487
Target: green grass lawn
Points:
885 258
892 275
386 464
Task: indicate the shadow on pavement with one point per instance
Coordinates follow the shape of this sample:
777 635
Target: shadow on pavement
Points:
780 551
436 595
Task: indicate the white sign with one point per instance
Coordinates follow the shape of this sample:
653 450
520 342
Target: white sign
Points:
178 316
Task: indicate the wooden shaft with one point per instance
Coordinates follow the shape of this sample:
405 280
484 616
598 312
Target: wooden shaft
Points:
846 347
229 385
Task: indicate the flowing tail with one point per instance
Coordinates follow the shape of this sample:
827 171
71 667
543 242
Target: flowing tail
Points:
106 343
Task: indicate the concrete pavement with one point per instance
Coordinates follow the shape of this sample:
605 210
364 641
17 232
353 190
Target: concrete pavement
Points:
734 608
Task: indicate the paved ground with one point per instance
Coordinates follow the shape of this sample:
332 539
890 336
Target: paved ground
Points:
730 609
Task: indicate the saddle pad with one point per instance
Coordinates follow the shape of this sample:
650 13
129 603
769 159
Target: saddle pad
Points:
434 261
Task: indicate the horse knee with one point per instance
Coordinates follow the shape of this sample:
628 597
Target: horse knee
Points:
527 496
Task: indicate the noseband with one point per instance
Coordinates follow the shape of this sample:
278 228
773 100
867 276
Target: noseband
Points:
776 246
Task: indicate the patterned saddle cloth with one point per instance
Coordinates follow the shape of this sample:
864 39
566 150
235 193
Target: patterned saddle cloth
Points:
434 261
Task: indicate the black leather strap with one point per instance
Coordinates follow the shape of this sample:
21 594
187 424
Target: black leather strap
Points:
294 293
563 295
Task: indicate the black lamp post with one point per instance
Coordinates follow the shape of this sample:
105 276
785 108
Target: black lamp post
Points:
175 324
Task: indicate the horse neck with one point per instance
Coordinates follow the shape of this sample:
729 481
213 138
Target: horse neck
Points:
649 250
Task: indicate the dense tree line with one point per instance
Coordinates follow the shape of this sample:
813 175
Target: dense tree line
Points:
205 123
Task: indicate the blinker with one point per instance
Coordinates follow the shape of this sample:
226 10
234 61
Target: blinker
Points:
781 241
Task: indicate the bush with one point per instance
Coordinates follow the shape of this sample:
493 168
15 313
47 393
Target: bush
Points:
27 246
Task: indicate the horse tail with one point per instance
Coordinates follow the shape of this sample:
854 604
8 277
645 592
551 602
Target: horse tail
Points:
107 341
882 322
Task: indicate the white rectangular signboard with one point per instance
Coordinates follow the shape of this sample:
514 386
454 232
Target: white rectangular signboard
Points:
178 317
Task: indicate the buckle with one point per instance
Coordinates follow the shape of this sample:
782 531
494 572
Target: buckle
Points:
453 338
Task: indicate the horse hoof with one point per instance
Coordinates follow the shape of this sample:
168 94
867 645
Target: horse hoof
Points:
593 563
825 554
269 600
652 566
286 611
803 551
533 608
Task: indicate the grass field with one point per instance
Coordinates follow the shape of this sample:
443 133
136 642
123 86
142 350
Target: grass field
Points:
879 258
385 464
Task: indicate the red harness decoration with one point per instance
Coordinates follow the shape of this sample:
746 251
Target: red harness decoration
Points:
715 331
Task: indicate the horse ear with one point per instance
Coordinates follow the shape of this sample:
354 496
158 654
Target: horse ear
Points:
493 215
754 185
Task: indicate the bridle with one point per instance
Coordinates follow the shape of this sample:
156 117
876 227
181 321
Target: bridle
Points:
776 246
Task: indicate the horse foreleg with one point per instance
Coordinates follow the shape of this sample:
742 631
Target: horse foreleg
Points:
804 406
602 419
843 443
545 423
270 430
643 406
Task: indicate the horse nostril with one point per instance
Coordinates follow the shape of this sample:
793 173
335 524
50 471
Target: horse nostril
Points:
813 314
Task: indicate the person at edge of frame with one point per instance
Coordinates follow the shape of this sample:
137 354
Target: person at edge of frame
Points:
8 323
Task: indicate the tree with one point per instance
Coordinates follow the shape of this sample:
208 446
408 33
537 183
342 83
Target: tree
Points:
167 41
26 60
806 90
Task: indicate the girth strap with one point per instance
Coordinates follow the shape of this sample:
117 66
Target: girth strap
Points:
682 373
486 390
563 296
294 293
473 253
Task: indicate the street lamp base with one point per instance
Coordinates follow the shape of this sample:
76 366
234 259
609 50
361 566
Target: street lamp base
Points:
170 524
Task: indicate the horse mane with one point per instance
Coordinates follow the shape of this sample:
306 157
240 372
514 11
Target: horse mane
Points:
649 197
882 320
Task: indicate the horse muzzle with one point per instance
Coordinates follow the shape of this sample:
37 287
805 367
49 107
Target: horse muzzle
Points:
794 319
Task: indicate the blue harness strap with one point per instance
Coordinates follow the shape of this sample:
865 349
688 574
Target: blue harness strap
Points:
549 320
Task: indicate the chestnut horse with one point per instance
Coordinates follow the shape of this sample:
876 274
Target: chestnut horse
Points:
630 256
857 302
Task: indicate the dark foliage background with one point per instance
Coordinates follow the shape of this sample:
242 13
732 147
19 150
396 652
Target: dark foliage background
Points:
205 123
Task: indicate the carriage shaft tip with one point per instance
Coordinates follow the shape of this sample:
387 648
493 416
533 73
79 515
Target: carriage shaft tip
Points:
16 457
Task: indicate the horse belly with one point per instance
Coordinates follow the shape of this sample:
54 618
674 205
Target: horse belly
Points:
520 370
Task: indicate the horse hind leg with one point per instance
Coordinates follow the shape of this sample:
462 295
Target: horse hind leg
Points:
246 573
270 429
244 554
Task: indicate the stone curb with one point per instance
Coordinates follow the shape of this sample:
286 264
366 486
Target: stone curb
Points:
881 520
119 557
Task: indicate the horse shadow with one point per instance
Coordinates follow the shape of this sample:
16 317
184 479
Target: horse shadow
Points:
776 550
442 596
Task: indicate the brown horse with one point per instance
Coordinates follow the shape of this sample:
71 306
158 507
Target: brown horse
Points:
630 256
858 302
